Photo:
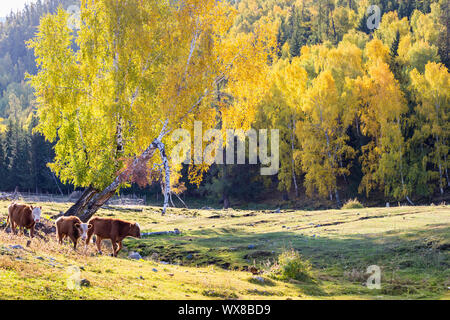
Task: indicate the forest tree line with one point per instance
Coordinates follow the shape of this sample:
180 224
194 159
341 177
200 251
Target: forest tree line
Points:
23 154
368 108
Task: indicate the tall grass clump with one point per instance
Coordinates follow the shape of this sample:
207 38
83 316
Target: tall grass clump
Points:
352 204
291 265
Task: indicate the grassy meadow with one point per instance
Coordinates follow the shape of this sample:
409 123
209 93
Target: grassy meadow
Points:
211 256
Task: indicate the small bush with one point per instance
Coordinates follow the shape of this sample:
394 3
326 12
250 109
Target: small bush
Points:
352 204
220 294
291 265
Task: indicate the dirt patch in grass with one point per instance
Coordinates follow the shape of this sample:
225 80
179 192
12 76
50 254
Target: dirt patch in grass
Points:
258 254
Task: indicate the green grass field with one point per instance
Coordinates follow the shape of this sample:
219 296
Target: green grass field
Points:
210 258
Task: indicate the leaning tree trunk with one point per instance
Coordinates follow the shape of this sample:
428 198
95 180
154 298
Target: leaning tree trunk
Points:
92 199
77 208
96 202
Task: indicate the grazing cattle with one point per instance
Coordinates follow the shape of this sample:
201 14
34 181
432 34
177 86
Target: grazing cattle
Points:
23 216
114 229
73 228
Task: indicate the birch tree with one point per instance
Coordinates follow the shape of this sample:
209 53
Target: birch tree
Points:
141 70
382 107
432 89
323 138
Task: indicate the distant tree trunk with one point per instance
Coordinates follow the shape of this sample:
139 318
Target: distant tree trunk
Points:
56 182
226 201
225 197
357 126
409 200
293 161
332 158
401 174
338 200
446 171
441 183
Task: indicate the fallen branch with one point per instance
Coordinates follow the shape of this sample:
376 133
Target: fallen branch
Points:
175 231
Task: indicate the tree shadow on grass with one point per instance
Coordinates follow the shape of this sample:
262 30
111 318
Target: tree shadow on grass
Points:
418 253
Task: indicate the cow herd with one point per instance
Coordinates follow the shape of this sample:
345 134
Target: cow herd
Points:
26 217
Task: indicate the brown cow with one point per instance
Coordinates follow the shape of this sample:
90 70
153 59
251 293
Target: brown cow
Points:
114 229
73 228
23 216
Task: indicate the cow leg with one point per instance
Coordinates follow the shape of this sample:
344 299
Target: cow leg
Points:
89 236
98 242
32 232
74 240
114 245
86 242
117 245
114 254
60 237
8 222
13 227
21 231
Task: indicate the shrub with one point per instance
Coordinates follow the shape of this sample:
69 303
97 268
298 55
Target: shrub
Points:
352 204
291 265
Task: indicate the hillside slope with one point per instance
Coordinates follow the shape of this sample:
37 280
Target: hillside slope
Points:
209 258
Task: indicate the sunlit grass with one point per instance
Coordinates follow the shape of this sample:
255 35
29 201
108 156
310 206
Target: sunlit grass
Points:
209 258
